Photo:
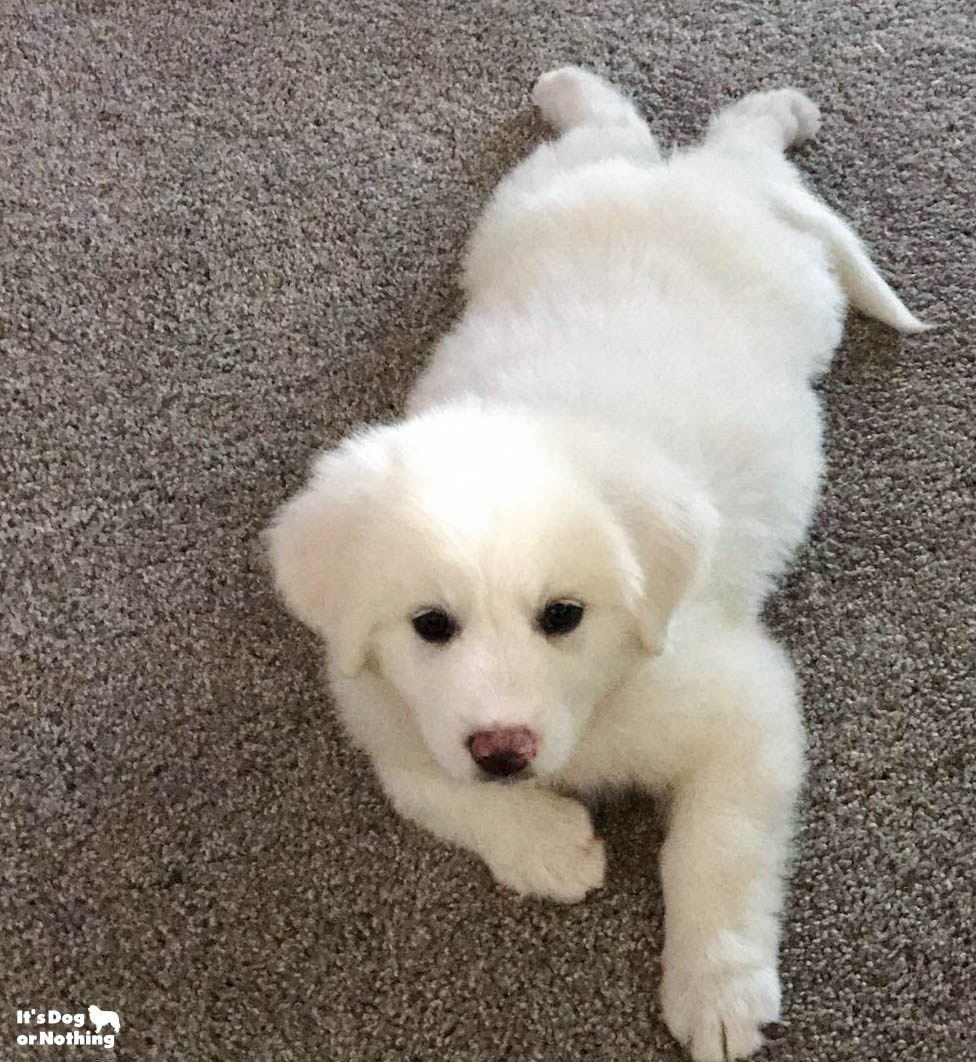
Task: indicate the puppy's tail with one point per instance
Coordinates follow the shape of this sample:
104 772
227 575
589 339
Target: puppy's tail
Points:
858 276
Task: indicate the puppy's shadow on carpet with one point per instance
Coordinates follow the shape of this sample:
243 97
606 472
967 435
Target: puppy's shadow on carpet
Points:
632 825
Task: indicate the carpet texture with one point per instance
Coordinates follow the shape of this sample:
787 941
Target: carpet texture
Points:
230 231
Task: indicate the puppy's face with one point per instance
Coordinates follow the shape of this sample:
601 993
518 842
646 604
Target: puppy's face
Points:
498 586
504 628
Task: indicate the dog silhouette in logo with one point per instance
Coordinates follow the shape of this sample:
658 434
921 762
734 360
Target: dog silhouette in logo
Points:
103 1017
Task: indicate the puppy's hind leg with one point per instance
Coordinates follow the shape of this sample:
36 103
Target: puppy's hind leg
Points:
753 133
595 122
571 96
764 122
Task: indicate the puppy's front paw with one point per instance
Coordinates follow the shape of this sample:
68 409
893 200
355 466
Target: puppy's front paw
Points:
551 851
716 1002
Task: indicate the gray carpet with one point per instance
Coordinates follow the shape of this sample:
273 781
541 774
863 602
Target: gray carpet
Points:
230 231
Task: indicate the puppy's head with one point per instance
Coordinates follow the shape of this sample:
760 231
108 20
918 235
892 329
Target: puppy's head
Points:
500 575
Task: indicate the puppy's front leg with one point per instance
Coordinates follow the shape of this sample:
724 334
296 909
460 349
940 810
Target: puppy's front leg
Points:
721 869
534 841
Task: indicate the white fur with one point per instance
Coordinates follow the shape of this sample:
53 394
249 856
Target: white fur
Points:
623 416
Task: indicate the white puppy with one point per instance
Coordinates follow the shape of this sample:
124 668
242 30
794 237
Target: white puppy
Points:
552 571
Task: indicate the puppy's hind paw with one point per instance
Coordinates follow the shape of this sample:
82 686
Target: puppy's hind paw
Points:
799 115
793 115
571 96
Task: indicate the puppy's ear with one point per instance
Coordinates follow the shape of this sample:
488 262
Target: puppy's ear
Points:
316 551
667 525
672 527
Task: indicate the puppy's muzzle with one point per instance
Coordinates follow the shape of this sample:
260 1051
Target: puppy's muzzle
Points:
503 751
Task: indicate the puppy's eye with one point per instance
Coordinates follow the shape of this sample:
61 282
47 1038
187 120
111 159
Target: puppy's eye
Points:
560 617
434 625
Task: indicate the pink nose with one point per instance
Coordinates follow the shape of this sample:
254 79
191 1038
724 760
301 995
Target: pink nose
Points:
503 750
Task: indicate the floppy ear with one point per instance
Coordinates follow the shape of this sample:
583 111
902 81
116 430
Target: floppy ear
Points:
672 527
668 524
315 547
